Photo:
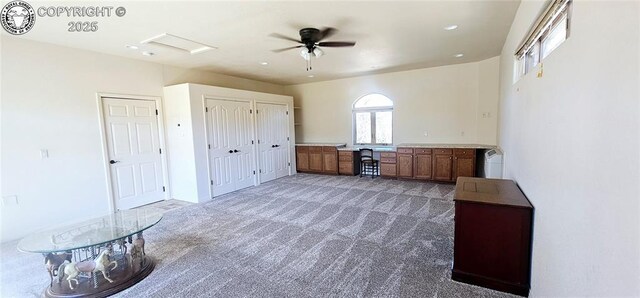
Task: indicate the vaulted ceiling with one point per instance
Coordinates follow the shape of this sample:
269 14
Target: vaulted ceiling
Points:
390 36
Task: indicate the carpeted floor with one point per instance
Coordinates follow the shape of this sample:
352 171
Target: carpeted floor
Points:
299 236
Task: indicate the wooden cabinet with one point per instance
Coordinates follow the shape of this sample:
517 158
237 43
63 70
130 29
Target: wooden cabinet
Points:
492 238
388 164
405 162
349 162
422 164
315 159
302 158
330 159
443 164
464 161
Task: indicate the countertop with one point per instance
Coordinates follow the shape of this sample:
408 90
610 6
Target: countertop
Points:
427 145
323 144
377 149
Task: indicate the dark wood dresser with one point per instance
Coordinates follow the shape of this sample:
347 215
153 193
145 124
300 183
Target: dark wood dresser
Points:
492 241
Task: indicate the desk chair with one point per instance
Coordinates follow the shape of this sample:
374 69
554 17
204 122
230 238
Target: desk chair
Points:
368 165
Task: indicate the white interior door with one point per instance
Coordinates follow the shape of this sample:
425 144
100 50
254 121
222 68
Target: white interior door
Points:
230 135
134 151
273 136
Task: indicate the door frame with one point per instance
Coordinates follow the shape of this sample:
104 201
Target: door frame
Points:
207 141
288 133
105 146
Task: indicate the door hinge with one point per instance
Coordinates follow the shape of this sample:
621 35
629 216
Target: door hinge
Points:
163 189
256 111
260 171
250 111
156 112
254 172
251 142
211 182
258 141
287 138
206 109
209 145
160 150
289 163
287 112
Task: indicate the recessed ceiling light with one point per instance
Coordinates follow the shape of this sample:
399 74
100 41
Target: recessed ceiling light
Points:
458 55
131 47
311 76
451 27
148 53
264 63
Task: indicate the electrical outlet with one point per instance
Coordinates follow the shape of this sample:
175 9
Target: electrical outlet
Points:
426 134
9 200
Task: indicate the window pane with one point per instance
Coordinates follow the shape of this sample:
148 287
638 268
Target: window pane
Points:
532 57
363 128
373 101
383 127
555 37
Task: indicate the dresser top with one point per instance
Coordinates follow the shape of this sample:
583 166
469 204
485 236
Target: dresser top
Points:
490 191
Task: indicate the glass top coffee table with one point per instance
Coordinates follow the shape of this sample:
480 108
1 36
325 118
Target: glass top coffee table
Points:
98 257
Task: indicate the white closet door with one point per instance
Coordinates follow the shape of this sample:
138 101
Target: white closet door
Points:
273 141
230 154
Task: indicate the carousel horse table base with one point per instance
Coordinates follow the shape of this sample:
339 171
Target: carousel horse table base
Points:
113 262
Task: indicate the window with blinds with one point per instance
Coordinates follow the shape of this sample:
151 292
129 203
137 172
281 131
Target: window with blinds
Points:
549 31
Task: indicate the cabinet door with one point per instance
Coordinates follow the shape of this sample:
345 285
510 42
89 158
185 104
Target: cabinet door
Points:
388 169
330 160
422 166
465 167
405 165
443 167
315 159
302 159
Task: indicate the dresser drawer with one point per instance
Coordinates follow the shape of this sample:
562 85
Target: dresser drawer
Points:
404 151
388 154
388 169
443 151
465 152
422 151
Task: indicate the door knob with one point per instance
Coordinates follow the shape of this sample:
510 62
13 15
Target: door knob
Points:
236 151
113 161
277 146
230 151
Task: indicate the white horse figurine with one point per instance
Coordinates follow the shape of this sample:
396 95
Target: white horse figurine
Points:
100 263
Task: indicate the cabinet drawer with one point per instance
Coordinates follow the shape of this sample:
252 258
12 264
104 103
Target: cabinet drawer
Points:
303 149
388 169
404 151
315 149
422 151
388 160
443 151
345 153
465 152
345 168
347 158
388 154
329 149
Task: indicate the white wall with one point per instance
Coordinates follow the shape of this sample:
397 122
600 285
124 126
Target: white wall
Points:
49 102
443 101
188 161
572 144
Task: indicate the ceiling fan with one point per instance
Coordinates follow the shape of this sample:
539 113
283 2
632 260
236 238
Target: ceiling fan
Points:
311 41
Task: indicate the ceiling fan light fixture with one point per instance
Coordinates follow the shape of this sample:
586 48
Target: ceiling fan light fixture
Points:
318 52
305 54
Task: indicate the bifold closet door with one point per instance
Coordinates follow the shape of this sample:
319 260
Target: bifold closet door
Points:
230 132
273 145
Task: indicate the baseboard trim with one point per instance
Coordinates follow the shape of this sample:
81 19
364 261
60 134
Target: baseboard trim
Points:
486 282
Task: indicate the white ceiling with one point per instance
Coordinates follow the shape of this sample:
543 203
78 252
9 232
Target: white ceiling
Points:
390 36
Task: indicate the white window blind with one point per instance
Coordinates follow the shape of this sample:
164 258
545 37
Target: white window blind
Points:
543 25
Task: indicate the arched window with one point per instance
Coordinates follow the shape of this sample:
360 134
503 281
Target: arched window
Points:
373 120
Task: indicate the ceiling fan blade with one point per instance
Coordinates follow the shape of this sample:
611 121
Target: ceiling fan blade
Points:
276 35
326 32
337 44
286 49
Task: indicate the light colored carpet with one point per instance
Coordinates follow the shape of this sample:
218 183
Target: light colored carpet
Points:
299 236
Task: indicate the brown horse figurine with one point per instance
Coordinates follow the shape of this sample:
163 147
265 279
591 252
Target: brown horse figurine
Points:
53 261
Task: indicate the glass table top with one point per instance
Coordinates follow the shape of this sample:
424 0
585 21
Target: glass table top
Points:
92 232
